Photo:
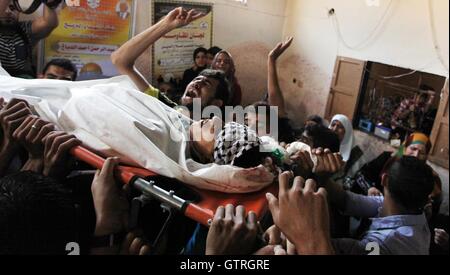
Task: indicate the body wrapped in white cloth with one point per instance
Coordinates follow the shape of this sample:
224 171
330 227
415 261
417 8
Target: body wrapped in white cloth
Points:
113 118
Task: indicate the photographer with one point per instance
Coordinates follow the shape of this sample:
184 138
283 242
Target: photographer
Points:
17 38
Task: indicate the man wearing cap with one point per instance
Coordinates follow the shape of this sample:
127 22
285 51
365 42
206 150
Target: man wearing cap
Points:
417 145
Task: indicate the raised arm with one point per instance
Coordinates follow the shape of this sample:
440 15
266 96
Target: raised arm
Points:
125 57
44 25
275 95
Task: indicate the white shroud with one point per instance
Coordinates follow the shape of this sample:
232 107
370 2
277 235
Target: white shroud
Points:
112 118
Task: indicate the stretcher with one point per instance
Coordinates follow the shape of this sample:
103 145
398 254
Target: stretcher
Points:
201 211
156 135
122 103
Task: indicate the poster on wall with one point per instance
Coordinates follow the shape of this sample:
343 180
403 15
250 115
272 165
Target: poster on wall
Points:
173 53
88 33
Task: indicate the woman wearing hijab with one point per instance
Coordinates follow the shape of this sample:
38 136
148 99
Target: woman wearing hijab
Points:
353 156
199 65
350 152
224 62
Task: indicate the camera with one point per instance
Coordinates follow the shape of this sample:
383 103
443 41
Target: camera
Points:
27 8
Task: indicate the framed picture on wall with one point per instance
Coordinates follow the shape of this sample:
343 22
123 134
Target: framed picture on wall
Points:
88 34
173 53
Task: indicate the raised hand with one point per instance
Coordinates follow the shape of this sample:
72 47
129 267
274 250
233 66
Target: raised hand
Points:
302 215
180 17
280 49
275 95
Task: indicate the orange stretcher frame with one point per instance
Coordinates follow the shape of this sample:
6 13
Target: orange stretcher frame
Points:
202 211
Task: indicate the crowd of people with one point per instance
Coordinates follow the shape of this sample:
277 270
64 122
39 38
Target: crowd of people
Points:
330 200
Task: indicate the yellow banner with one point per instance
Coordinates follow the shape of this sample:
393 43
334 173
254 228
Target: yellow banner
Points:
87 35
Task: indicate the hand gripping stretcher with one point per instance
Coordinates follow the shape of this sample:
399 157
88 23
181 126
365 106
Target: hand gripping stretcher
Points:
201 211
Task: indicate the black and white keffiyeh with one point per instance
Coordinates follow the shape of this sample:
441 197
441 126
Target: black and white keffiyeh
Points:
232 142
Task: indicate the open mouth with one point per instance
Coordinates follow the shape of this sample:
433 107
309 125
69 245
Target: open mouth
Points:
192 94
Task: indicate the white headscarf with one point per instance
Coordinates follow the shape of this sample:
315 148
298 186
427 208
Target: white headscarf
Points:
348 142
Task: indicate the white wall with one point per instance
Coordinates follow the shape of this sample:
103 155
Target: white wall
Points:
403 39
248 32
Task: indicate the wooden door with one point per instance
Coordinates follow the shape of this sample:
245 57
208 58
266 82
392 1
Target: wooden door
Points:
439 136
345 87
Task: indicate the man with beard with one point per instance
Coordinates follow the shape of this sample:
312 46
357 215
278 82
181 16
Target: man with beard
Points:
211 86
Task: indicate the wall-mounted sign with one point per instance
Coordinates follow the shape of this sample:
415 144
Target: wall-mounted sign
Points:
173 53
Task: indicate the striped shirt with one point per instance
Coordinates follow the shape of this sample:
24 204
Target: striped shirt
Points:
15 49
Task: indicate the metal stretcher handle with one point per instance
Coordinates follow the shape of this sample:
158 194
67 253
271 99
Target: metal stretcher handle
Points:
96 161
189 209
134 176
